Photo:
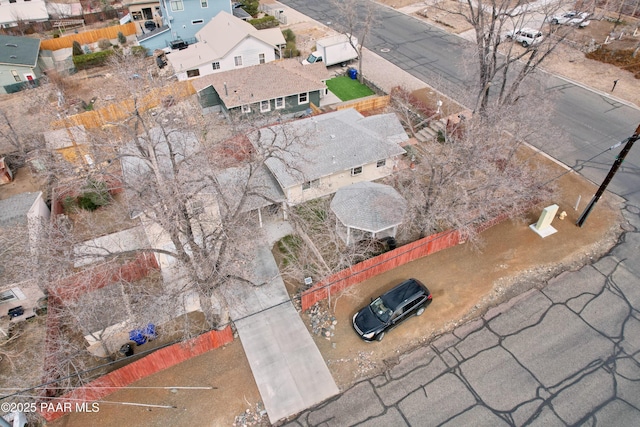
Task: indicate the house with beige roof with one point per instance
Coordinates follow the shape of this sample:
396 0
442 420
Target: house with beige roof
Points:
226 43
284 87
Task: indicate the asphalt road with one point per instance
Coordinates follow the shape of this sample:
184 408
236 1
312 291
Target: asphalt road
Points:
568 354
591 122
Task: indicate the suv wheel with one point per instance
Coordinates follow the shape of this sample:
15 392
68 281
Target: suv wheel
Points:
420 311
380 336
554 22
525 44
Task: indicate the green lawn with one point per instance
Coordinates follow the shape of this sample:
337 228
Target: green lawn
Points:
347 89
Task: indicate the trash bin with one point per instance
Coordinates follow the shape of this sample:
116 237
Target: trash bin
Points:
150 332
137 337
126 350
353 73
391 243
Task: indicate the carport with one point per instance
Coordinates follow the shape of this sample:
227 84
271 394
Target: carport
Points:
367 208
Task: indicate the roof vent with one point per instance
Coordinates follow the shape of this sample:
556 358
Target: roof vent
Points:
11 44
13 57
332 136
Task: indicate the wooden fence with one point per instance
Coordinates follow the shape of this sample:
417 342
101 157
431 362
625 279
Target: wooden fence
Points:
151 364
389 260
113 113
368 104
88 37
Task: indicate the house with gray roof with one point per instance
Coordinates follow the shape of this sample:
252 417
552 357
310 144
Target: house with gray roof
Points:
321 154
226 43
18 63
21 218
283 87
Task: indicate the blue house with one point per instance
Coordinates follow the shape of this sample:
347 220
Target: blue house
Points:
181 20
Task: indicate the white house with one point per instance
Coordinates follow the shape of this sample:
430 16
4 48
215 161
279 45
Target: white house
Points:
12 12
226 43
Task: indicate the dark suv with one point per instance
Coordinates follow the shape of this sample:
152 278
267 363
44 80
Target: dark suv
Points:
388 310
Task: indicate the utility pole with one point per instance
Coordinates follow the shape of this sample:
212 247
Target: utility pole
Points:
609 177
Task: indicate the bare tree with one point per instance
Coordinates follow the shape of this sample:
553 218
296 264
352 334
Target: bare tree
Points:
502 67
357 19
482 169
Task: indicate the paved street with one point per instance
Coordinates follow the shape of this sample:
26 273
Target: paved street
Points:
591 121
566 355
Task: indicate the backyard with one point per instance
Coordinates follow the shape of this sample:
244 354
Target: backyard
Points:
347 88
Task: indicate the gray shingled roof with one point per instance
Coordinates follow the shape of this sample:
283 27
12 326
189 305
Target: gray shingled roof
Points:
262 82
264 189
14 209
19 50
369 206
322 145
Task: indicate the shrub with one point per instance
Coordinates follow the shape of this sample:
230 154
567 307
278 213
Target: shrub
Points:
95 195
266 22
139 51
291 50
90 60
289 35
121 38
251 6
104 44
77 49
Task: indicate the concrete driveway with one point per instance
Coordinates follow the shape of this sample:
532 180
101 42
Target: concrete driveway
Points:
286 364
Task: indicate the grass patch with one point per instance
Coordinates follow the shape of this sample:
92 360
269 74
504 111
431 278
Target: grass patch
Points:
347 89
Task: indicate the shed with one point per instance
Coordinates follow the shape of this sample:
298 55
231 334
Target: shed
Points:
368 208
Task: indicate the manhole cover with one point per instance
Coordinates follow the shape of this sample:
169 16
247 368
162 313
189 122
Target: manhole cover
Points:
385 50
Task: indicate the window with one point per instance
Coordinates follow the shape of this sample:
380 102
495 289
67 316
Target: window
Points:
279 103
137 16
15 75
197 21
246 109
265 106
204 3
176 5
261 58
238 61
303 98
6 296
216 65
356 171
311 184
381 163
12 1
193 73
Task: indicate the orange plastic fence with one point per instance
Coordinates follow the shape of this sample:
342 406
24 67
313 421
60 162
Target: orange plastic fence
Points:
155 362
378 265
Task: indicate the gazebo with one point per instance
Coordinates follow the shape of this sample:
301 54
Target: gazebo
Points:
368 208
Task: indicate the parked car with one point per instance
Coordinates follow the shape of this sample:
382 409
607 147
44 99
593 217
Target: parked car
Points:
408 298
571 18
525 36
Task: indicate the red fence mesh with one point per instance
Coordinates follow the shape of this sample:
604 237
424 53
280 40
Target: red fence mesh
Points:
372 267
378 265
155 362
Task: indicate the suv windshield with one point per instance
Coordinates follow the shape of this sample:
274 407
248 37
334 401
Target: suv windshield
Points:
380 310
